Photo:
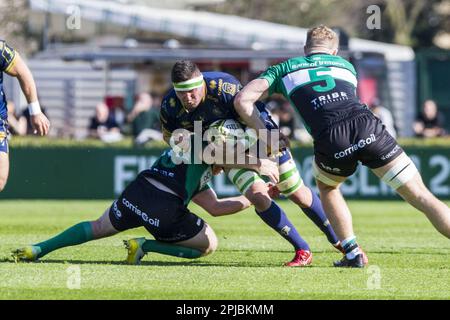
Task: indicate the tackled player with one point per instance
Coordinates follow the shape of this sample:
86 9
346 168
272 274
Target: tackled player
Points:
157 200
208 97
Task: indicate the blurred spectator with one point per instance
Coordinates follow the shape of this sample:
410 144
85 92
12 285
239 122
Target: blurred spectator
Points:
144 118
103 125
284 117
385 115
17 124
288 120
430 121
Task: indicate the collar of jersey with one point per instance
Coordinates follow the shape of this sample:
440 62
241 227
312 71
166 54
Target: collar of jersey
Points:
313 54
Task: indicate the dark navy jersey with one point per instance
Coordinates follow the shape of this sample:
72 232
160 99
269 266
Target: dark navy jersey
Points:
218 104
7 59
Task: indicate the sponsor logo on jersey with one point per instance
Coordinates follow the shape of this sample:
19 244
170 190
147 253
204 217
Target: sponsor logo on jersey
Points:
7 54
116 210
320 101
165 172
285 230
229 88
360 145
219 87
213 84
391 153
329 169
144 216
186 124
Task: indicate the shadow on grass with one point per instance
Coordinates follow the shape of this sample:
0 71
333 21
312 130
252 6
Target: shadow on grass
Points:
181 263
245 262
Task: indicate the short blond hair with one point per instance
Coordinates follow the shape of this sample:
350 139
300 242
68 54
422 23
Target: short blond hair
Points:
321 37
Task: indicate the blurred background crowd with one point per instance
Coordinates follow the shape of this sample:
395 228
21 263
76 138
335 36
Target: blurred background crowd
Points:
103 67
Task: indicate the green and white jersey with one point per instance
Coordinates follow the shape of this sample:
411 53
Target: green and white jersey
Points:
321 87
186 180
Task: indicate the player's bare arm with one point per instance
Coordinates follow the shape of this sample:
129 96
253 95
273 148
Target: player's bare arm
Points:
244 103
220 207
39 121
245 100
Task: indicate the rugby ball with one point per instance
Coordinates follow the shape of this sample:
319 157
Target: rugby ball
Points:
230 131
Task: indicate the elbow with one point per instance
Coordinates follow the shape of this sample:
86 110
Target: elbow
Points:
215 213
215 210
238 100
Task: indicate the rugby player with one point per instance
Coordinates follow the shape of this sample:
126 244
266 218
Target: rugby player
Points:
157 200
208 97
12 64
322 88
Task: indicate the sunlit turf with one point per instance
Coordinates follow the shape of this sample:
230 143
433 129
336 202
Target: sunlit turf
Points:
408 258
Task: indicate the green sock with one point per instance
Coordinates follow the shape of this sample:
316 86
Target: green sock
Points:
77 234
170 249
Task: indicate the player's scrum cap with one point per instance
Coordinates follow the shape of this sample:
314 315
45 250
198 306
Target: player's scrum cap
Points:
188 85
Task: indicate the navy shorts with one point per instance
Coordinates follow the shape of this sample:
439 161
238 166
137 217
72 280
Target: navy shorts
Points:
4 136
361 137
164 215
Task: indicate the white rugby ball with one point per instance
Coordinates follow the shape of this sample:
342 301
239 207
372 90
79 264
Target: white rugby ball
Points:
231 132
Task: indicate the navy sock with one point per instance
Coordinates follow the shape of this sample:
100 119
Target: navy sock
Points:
277 220
316 213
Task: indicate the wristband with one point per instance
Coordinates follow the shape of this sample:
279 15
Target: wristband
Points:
34 108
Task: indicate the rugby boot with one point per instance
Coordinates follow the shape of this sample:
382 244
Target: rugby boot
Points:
339 247
135 252
302 258
356 262
28 253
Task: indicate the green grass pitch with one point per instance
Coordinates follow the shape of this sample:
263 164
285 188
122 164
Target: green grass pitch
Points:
408 258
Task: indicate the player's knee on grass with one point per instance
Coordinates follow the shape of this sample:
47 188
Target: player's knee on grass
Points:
205 241
213 243
258 194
